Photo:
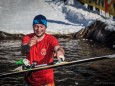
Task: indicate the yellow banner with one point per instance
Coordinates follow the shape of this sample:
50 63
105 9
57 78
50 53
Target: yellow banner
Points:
100 4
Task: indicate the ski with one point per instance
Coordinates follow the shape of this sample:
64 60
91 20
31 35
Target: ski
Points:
58 65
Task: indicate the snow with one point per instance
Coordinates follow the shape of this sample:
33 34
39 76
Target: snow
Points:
63 18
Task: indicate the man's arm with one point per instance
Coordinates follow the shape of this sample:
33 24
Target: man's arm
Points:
25 48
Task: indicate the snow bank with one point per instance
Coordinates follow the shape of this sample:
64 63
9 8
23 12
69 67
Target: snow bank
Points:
75 12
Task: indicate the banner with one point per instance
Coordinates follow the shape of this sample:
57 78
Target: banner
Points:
107 5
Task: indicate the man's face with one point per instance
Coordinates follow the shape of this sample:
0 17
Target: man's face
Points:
39 29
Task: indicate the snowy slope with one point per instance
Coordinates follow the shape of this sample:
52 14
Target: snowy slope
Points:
77 13
17 16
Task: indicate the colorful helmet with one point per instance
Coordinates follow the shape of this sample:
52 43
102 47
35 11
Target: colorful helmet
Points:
40 19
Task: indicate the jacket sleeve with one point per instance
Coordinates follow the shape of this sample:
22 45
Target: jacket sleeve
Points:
24 46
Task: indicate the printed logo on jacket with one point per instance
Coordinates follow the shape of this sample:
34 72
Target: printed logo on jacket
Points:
43 52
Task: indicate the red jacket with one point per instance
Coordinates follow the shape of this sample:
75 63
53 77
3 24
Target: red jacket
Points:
42 53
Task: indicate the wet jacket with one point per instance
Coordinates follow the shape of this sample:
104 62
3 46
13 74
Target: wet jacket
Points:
42 53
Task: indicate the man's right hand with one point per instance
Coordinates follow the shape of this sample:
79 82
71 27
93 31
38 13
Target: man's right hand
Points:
32 41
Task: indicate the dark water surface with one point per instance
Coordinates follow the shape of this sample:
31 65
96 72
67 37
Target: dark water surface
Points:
87 74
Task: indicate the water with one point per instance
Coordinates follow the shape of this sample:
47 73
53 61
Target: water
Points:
86 74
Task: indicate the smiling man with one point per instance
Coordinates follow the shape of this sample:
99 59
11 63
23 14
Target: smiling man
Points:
39 48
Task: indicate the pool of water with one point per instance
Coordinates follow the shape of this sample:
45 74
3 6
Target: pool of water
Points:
87 74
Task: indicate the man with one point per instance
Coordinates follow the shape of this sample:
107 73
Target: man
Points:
39 48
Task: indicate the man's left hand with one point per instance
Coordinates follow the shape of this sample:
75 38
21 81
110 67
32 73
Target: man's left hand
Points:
62 58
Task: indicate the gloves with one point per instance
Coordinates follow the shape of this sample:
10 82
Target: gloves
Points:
25 65
62 58
25 62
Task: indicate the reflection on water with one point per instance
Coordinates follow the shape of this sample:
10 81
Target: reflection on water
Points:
87 74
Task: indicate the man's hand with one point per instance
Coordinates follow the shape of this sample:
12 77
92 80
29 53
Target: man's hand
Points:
62 58
59 53
32 41
25 48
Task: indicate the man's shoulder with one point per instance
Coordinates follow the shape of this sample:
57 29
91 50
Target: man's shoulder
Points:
50 38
